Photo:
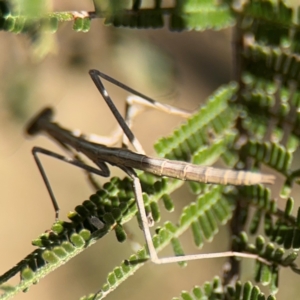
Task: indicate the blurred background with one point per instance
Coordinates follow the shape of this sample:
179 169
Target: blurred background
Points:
178 69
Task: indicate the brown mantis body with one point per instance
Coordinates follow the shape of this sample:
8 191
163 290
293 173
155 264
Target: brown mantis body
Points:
124 158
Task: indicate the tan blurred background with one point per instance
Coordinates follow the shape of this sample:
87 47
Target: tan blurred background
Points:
180 69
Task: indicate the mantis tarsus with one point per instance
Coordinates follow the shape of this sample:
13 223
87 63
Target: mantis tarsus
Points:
128 161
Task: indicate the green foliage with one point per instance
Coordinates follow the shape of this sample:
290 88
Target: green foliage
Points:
213 290
35 19
115 205
247 124
185 15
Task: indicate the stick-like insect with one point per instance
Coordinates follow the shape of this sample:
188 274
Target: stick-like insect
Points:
128 161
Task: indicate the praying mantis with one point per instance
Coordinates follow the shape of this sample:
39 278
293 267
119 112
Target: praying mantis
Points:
128 160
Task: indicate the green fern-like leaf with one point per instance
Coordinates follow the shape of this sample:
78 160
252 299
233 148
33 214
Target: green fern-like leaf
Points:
248 125
214 290
114 205
184 15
